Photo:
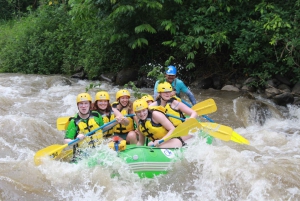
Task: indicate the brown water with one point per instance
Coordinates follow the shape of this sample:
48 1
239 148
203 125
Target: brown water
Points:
267 169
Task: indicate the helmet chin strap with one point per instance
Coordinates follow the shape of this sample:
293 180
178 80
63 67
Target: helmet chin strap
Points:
163 98
123 105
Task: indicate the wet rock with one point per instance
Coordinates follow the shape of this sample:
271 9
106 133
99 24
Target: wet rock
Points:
80 75
296 88
284 88
271 83
109 77
283 99
230 88
259 112
247 84
270 92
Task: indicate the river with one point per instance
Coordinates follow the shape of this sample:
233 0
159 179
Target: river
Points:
267 169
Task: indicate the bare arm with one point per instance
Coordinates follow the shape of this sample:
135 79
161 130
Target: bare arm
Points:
159 117
183 108
120 118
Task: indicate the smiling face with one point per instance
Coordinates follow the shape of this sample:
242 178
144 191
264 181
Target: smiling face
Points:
84 107
166 95
102 104
170 78
142 114
124 100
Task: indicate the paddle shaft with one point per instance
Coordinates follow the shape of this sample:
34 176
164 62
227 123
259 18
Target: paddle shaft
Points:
93 131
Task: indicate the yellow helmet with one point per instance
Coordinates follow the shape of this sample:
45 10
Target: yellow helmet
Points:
164 87
148 98
139 105
102 95
122 92
83 97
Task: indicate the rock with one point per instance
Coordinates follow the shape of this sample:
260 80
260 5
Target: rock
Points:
296 88
80 75
270 92
109 77
259 112
217 82
247 84
126 75
205 83
283 99
230 88
284 88
271 83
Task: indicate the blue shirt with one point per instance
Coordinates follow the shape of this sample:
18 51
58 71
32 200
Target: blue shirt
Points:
179 86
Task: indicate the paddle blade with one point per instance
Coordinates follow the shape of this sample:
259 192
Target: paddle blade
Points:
205 107
184 128
62 122
53 151
217 130
238 138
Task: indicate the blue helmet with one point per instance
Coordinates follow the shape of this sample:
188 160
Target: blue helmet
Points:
171 70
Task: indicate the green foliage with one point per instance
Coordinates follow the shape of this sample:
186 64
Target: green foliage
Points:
92 86
136 91
258 38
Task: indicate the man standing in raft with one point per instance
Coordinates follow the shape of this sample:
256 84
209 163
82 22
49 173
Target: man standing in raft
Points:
177 85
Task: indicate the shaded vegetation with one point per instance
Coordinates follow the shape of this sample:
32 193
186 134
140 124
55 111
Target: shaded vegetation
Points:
205 37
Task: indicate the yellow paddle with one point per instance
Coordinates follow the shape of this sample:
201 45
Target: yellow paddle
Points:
183 129
217 130
238 138
205 107
61 123
209 106
54 150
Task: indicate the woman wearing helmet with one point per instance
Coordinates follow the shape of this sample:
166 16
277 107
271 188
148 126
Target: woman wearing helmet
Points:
154 124
84 122
148 98
108 113
124 105
172 104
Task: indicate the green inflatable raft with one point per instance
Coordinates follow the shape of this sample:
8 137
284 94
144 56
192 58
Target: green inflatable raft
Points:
145 161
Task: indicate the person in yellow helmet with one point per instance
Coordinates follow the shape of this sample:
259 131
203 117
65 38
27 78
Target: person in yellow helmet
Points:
84 122
154 124
124 105
172 104
148 98
103 106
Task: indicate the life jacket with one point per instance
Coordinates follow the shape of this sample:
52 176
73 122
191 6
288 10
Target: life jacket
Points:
150 129
86 127
106 119
174 112
122 129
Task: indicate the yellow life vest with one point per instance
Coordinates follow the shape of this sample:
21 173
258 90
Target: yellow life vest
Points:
174 112
107 119
84 128
152 130
122 129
